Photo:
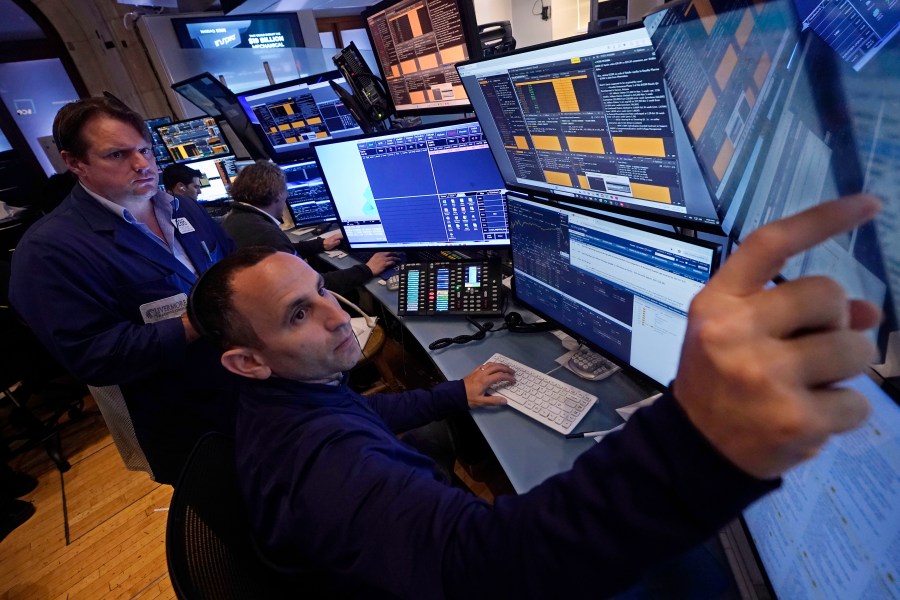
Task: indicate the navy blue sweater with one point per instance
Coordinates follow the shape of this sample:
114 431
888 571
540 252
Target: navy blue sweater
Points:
327 484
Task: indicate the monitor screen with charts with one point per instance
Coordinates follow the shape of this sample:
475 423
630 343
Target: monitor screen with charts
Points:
590 120
160 152
621 287
417 44
290 116
435 186
308 199
193 139
216 177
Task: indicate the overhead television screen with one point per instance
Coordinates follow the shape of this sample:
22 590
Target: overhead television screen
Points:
270 30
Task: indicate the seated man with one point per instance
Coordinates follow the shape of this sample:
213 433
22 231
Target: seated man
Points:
328 485
260 193
182 181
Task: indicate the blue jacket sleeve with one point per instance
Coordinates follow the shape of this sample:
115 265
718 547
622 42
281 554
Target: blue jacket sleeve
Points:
415 408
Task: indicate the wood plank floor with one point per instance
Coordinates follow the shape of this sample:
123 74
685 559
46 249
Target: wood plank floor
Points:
116 522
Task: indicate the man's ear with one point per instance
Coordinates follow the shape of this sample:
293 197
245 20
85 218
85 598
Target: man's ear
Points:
72 162
246 363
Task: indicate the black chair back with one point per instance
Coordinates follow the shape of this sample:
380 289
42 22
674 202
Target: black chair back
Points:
209 545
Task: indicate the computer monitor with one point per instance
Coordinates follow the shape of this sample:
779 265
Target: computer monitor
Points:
622 288
417 43
290 116
216 177
222 32
211 96
435 186
193 139
782 120
308 199
163 158
589 119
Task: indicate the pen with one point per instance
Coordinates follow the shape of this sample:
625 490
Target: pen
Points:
584 434
206 249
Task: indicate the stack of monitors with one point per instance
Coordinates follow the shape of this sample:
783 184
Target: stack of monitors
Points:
290 116
308 199
193 139
428 187
417 43
591 121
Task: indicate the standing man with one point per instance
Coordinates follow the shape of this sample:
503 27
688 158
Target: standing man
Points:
182 181
103 283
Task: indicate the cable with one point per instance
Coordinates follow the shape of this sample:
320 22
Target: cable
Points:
483 329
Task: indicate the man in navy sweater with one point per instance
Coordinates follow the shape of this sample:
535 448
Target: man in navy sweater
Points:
329 486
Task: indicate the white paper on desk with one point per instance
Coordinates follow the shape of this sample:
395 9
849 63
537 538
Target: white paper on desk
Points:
336 253
602 434
361 330
626 411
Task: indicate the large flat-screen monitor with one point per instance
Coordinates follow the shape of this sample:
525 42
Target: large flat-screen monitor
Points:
193 139
434 186
215 99
417 43
781 119
308 199
291 115
589 119
621 287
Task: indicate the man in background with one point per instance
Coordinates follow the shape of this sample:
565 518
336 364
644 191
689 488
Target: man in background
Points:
182 181
103 282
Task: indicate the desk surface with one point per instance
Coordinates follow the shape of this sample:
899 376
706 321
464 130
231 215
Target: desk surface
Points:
528 452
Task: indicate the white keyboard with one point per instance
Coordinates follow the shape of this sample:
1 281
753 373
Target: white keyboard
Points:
545 399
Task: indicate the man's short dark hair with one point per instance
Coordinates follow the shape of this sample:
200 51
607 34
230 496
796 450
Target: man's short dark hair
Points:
68 126
211 305
259 184
179 173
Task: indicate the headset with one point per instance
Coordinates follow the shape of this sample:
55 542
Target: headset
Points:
511 321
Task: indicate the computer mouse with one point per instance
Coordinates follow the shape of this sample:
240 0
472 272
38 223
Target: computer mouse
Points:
393 283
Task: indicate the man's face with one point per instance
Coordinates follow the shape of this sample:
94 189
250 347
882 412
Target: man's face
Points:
306 335
119 164
191 190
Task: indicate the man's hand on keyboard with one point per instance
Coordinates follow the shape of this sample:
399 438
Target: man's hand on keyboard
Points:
478 381
758 364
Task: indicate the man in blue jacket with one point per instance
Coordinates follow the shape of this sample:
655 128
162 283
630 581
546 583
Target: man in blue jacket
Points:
103 282
328 485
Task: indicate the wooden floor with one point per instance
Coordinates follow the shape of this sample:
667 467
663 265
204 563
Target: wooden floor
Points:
99 529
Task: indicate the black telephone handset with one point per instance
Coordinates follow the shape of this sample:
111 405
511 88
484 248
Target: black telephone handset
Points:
369 92
450 288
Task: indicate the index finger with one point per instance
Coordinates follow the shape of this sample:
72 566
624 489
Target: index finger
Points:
765 251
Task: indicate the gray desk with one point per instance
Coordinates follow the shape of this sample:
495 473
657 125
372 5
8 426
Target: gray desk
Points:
528 452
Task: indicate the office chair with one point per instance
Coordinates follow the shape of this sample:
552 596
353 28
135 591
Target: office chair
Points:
496 38
210 550
24 361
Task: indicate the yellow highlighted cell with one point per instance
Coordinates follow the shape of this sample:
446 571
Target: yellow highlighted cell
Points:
705 11
654 193
762 69
743 31
313 121
546 142
701 115
453 54
521 142
429 61
558 178
284 127
726 67
417 97
638 146
587 145
408 66
723 158
583 182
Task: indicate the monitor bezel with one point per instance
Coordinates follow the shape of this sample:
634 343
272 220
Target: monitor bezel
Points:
550 196
388 247
284 163
631 370
473 47
289 155
195 159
